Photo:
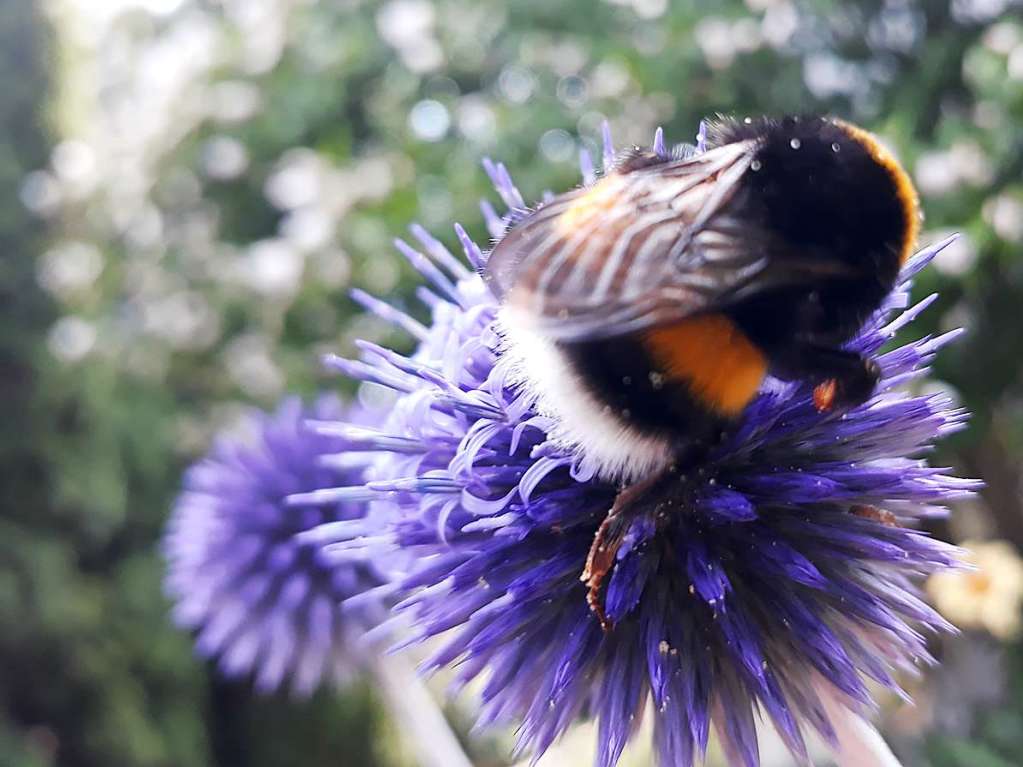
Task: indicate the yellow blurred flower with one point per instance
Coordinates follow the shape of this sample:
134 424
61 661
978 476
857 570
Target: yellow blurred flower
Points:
987 597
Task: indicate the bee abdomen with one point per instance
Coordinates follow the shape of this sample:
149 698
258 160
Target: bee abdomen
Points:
713 358
684 380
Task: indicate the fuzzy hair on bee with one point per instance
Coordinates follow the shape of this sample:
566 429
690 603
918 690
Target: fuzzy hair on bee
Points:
643 311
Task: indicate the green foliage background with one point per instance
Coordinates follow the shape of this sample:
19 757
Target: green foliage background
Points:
112 381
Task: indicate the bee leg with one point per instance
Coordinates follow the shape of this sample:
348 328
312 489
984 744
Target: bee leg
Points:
601 558
608 540
875 514
844 379
848 388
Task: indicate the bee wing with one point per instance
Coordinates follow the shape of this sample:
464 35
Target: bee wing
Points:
636 249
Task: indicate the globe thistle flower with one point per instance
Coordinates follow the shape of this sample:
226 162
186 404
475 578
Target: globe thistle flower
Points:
262 599
774 579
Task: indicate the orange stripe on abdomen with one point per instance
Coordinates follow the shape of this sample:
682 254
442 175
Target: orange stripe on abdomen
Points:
710 355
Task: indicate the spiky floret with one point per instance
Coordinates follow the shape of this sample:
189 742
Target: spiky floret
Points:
776 578
263 600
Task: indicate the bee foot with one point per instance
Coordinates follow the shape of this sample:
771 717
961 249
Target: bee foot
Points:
848 391
608 540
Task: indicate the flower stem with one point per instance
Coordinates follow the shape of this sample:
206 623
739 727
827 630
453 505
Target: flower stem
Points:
425 727
859 744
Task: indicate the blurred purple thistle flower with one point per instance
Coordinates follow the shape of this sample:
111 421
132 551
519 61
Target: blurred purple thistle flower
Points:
262 599
769 582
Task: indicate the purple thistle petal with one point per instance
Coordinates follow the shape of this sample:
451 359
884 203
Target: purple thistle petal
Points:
495 224
471 250
607 146
388 313
503 184
429 270
658 145
586 170
439 253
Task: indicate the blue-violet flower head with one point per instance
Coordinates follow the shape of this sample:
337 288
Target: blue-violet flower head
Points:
776 579
263 599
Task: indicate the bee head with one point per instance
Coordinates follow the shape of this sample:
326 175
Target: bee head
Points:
830 187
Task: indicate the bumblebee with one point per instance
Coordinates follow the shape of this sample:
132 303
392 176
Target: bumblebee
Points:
643 311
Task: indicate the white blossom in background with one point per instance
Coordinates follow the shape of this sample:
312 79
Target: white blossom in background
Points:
147 270
988 597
